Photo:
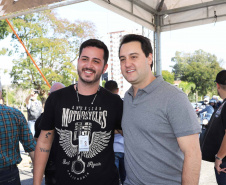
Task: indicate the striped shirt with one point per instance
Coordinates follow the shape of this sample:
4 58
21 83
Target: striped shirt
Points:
13 128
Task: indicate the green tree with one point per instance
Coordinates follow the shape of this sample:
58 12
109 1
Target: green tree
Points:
103 83
3 29
199 67
187 87
168 76
53 43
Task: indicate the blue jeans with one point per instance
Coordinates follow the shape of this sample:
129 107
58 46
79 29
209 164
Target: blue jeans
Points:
31 125
221 179
10 176
119 162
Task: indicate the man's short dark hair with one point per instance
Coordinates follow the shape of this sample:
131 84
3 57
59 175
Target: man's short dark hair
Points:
95 43
144 41
111 85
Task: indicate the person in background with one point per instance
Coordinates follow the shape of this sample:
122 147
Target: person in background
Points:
2 101
112 86
13 129
214 142
160 127
218 102
50 169
209 109
81 118
34 110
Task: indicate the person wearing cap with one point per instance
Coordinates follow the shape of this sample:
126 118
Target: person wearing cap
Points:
13 130
34 109
214 142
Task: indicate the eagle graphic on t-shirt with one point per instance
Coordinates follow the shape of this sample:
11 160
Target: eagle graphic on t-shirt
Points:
99 142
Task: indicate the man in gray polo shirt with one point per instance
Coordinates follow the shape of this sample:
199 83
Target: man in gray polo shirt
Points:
160 127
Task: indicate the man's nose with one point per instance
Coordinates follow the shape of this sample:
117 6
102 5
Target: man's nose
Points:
127 62
89 63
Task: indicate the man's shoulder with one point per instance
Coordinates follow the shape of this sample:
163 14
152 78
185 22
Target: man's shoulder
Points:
110 95
11 110
64 90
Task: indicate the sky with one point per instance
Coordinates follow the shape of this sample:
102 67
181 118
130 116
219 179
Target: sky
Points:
210 38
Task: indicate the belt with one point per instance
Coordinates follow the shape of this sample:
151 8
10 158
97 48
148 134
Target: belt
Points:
8 167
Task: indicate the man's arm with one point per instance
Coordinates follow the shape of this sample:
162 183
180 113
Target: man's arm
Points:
189 145
42 151
118 132
28 98
221 154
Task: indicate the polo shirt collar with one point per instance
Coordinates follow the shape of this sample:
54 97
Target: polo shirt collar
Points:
149 88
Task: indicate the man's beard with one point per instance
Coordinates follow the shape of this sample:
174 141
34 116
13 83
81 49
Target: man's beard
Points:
96 76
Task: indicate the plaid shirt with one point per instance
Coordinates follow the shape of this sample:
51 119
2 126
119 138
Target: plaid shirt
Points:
13 128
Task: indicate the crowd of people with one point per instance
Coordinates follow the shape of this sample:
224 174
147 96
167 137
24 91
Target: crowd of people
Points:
88 135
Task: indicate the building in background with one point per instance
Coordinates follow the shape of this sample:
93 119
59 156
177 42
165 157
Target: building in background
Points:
114 71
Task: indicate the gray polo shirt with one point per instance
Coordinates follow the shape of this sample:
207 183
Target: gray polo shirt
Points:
151 123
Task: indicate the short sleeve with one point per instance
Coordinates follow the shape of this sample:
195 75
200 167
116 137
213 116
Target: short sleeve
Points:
224 115
37 125
47 121
119 114
25 135
181 116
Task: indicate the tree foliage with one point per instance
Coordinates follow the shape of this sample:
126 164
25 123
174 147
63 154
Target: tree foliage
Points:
3 29
199 67
187 87
53 44
168 76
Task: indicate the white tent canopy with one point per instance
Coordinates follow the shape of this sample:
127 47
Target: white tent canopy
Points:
156 15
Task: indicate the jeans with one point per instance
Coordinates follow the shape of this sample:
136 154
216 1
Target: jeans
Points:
221 179
10 176
31 125
119 162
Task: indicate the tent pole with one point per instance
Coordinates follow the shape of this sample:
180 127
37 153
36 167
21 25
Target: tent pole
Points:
28 52
158 46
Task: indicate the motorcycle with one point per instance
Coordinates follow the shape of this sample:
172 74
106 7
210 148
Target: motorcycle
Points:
204 120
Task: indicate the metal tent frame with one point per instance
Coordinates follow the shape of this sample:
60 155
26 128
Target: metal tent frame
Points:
156 15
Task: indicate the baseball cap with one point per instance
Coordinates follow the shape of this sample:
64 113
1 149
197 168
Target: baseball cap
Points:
221 77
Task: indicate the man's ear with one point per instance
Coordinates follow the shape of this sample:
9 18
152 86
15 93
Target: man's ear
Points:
218 86
149 58
117 90
105 68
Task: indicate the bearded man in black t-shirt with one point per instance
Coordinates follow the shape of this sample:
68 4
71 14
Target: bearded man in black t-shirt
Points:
81 118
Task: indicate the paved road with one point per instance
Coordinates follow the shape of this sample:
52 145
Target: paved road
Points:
207 176
207 173
25 169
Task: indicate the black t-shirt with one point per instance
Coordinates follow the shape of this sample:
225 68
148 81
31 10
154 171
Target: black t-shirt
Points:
37 129
98 121
214 134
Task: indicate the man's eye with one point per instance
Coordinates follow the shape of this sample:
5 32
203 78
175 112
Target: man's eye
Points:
96 61
122 59
134 57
